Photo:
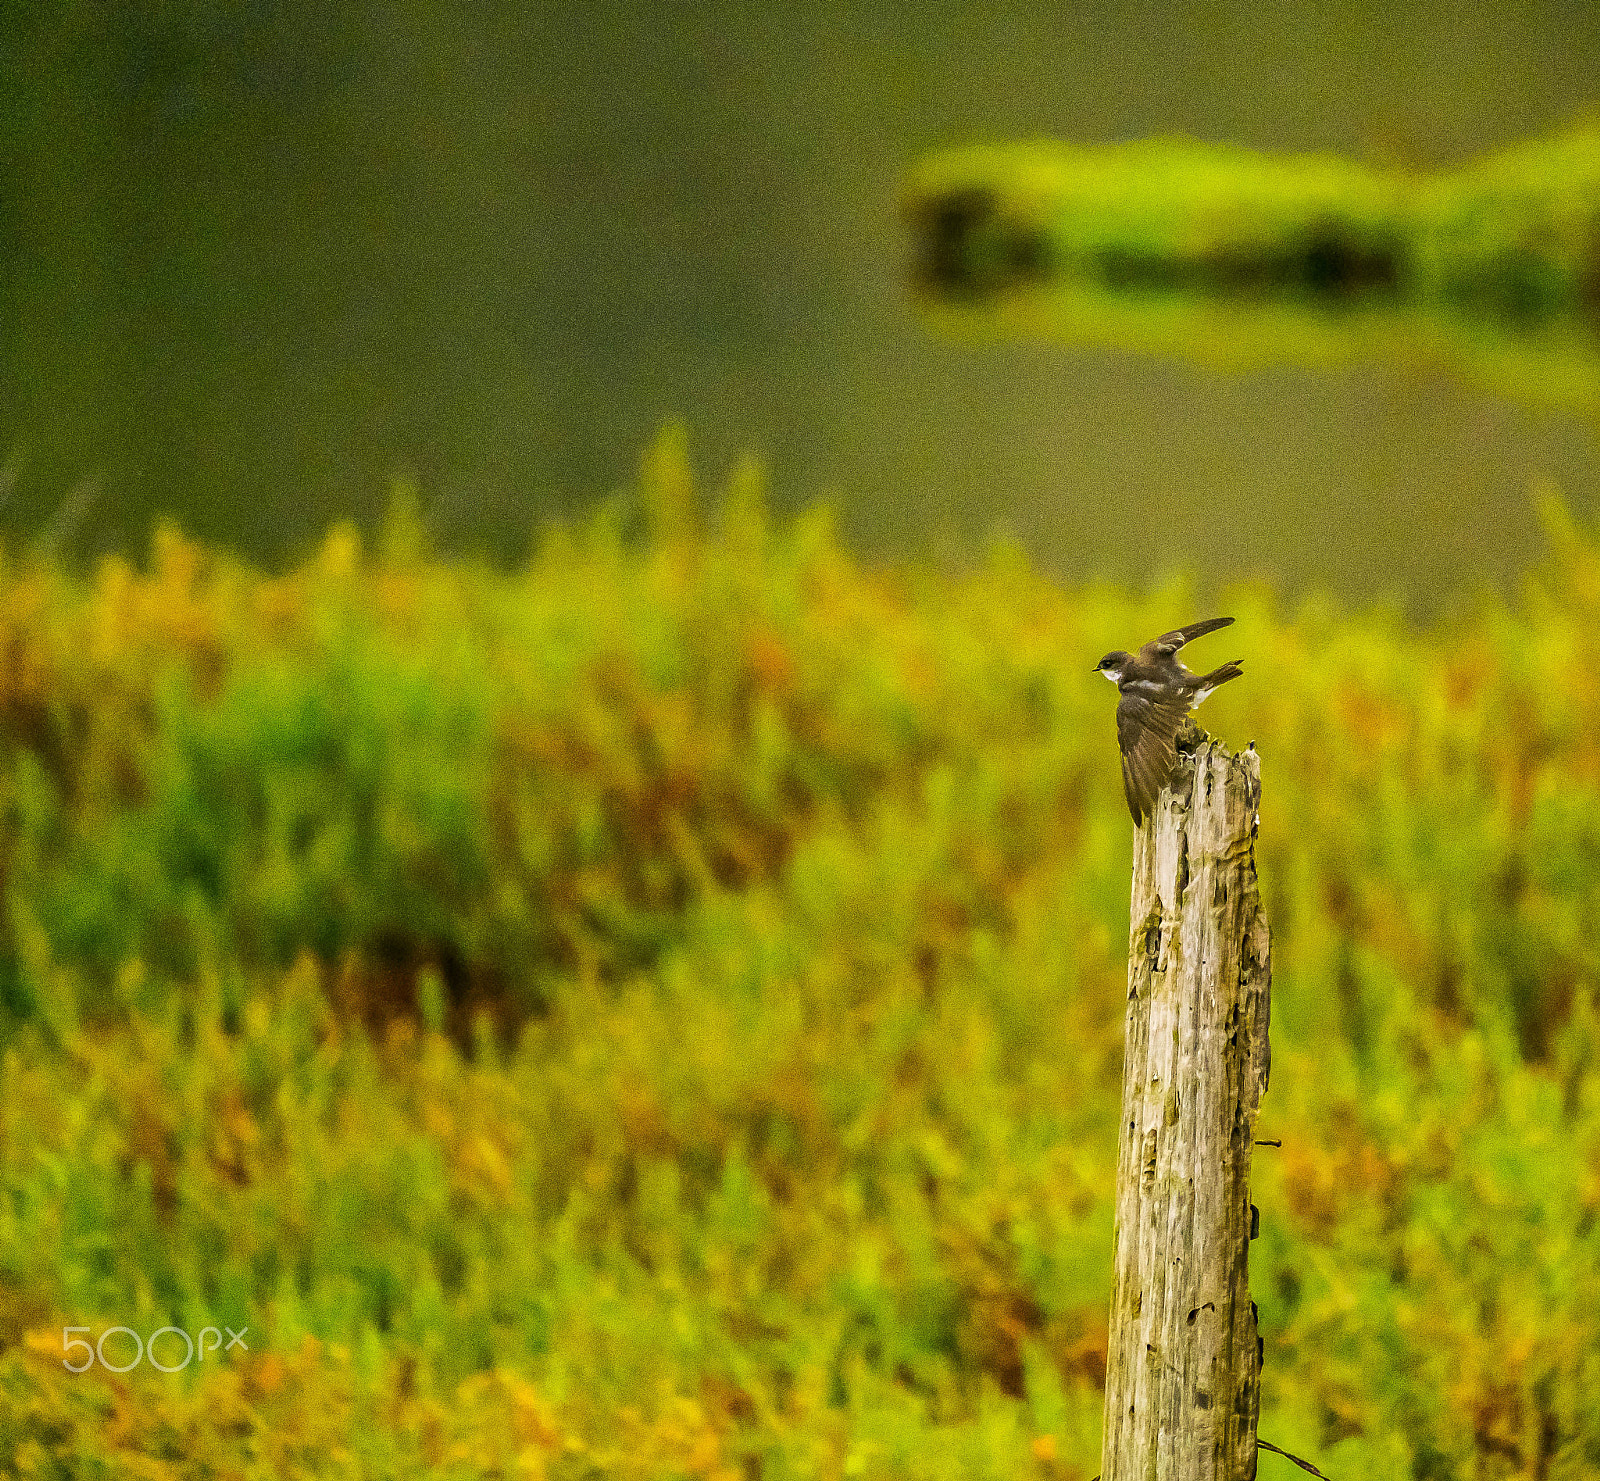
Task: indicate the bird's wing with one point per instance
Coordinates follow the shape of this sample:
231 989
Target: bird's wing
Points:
1169 643
1146 728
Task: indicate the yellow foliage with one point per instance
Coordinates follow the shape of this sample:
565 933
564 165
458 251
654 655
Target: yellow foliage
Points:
659 1014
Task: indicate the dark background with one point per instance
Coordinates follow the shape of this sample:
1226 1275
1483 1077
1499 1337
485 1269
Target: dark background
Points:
260 259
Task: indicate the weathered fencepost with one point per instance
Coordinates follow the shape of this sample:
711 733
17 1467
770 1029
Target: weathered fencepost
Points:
1184 1364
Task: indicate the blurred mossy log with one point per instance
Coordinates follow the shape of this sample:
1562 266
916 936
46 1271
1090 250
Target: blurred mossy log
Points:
1237 257
1184 1364
1517 232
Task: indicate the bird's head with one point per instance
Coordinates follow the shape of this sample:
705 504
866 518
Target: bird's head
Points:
1113 664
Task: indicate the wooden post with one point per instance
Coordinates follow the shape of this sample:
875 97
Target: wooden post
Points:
1184 1365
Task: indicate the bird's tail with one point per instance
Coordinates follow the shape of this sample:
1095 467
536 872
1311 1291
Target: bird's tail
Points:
1232 669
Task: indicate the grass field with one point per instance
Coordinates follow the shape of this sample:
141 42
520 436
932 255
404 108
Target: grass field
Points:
657 1013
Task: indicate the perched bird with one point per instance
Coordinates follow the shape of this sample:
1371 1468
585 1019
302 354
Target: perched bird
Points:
1157 693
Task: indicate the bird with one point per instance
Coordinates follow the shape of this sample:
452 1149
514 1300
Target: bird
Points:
1157 694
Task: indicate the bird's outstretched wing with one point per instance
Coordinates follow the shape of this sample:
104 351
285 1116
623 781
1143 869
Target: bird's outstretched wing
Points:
1146 728
1169 643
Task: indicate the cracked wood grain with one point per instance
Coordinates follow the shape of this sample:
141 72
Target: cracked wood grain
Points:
1184 1363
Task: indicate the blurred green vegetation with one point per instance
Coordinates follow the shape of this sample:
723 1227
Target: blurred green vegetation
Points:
659 1013
1239 257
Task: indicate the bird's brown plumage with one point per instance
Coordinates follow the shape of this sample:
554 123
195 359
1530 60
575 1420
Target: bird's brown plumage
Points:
1147 731
1157 692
